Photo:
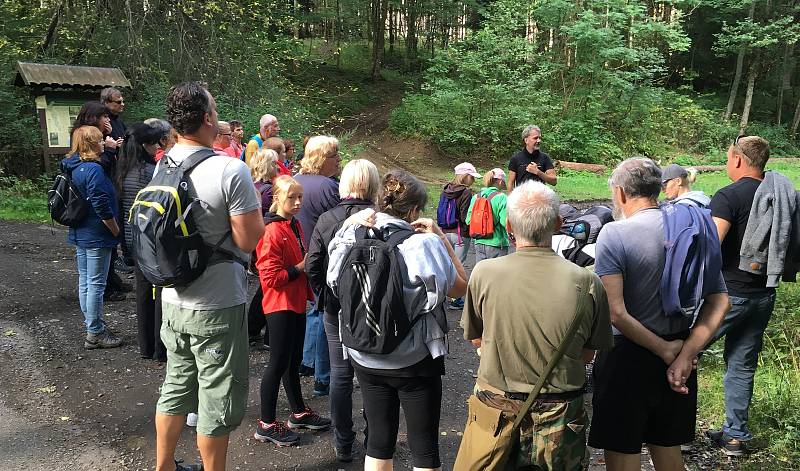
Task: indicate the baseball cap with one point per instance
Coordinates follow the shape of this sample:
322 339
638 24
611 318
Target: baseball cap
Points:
499 174
466 168
672 171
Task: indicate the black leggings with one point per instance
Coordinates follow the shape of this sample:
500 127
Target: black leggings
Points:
287 330
421 398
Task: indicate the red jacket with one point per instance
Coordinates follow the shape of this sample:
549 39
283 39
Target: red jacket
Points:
285 288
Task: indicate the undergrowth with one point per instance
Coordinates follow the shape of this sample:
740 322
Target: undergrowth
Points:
775 410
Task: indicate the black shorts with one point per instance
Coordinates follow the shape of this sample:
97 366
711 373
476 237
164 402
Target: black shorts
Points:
633 403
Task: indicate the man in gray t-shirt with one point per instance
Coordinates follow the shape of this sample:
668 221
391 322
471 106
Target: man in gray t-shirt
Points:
634 248
645 386
203 326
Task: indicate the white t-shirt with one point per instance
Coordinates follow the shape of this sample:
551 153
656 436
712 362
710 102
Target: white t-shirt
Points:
226 188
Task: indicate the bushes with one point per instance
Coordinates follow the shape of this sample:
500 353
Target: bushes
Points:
775 410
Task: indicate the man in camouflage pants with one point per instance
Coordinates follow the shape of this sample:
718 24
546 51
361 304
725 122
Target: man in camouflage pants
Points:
519 322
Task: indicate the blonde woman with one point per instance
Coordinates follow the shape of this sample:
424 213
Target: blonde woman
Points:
358 188
676 183
281 271
264 168
320 165
97 235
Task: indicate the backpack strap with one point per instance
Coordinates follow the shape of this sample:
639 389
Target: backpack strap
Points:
189 163
492 195
398 237
585 286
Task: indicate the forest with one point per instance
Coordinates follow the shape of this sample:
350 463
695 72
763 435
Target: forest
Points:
606 79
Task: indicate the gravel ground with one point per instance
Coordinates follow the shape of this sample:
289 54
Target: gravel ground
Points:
65 408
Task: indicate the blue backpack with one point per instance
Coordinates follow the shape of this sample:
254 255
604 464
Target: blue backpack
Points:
447 212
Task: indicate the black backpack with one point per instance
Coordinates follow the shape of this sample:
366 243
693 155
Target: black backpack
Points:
373 316
584 227
66 204
167 246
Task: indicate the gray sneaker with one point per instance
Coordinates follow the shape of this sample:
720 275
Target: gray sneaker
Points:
104 339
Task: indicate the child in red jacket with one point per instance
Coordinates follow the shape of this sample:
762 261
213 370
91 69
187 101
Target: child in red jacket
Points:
281 270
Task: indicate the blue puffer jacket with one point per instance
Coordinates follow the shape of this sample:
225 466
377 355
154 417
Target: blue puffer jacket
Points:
92 182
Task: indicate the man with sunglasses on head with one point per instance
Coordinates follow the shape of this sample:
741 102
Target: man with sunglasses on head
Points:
756 218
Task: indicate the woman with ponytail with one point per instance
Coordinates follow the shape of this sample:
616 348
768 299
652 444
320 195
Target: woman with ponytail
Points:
411 374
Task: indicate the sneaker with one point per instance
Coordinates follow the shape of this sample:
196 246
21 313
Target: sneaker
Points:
308 419
104 339
191 419
179 466
344 454
306 370
730 446
114 296
321 389
276 433
457 303
121 267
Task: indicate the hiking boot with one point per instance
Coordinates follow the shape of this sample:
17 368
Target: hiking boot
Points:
308 419
179 466
104 339
730 446
276 433
457 303
114 296
122 267
345 454
306 370
321 389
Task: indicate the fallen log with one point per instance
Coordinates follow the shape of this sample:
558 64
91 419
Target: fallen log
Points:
581 167
708 168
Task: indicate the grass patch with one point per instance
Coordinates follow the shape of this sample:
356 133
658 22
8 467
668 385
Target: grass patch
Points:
24 200
775 410
582 186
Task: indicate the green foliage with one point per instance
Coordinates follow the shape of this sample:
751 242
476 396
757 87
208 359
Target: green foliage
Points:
591 87
775 410
24 199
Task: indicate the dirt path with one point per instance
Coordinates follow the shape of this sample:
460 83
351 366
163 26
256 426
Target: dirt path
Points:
65 408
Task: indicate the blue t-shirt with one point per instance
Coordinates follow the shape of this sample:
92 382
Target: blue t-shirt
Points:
634 248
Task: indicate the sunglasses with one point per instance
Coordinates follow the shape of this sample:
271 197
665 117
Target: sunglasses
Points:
119 102
737 146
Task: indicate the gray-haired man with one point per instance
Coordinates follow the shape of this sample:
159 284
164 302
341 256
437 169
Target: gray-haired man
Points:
519 330
530 163
645 388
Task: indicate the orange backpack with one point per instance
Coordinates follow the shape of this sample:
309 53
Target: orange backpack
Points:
481 221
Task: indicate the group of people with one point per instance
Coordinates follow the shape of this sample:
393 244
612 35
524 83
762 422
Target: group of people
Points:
300 221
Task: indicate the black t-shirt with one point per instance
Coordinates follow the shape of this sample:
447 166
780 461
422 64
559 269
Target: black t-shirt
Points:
732 204
520 161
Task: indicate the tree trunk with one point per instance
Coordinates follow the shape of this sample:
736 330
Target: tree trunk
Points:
392 31
795 121
379 10
748 99
785 81
411 34
51 30
296 22
738 75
